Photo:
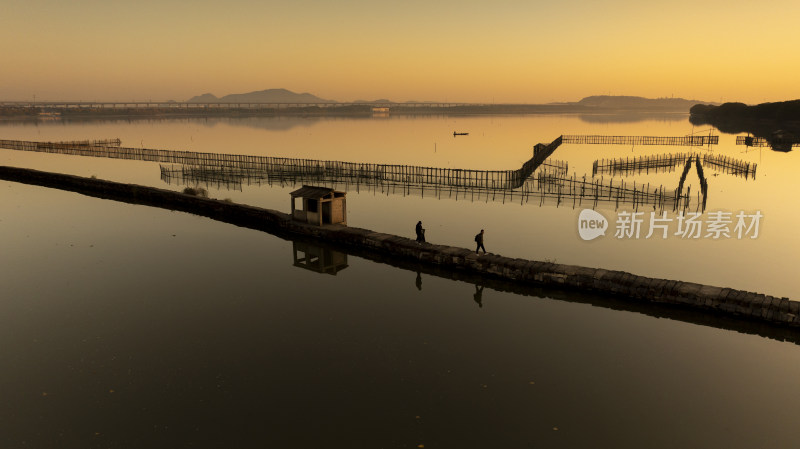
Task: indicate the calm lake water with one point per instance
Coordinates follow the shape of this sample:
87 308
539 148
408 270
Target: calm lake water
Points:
128 326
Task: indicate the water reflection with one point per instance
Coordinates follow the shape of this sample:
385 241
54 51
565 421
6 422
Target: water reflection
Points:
209 353
690 315
494 143
277 123
547 184
633 117
287 122
778 141
667 163
540 178
318 258
778 135
478 296
330 257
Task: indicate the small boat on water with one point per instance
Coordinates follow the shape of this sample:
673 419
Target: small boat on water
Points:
459 134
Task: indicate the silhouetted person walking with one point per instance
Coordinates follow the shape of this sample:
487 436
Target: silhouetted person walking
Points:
479 241
420 232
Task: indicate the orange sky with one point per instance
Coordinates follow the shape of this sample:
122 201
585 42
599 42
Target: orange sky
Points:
494 51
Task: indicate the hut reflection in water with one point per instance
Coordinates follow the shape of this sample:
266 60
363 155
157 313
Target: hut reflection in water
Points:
318 259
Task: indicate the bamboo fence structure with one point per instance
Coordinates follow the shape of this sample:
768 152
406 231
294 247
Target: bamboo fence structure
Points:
687 141
315 169
643 164
730 166
669 162
536 181
751 141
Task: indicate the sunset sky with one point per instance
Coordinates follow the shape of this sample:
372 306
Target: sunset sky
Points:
502 51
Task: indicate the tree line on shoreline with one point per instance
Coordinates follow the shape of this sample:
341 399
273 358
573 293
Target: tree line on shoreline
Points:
762 120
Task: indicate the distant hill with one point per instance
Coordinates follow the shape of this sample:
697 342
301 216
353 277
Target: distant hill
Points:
261 96
382 100
629 102
596 102
205 98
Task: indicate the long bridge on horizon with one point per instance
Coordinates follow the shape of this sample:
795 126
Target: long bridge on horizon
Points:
194 106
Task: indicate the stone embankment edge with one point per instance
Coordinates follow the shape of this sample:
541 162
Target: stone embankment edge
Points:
545 274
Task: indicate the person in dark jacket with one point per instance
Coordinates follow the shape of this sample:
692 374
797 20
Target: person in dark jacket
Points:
420 232
479 241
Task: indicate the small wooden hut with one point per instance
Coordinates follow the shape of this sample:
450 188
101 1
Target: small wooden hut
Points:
319 206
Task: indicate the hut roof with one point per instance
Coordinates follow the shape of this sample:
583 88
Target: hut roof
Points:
312 192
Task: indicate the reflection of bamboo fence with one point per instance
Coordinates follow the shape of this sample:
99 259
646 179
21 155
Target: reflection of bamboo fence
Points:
687 141
545 186
763 142
703 181
322 170
752 141
103 142
555 166
668 163
548 183
686 168
730 166
620 192
644 164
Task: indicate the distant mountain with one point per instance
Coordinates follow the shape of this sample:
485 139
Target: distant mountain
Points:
383 100
629 102
261 96
205 98
386 100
